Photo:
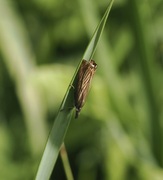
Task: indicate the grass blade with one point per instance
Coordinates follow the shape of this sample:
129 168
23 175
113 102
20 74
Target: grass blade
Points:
65 113
96 36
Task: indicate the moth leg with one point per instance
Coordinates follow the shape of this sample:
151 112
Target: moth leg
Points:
72 86
77 113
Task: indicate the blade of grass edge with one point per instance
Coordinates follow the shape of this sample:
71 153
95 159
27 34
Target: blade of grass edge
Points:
62 121
97 34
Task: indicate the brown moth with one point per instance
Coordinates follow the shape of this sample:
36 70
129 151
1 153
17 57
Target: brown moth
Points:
84 77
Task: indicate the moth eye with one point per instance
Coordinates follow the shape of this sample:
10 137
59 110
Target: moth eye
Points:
94 65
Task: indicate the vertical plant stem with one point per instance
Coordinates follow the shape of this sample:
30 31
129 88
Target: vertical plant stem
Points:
140 12
19 58
66 163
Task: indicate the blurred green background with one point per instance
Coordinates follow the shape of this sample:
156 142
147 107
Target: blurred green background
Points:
119 133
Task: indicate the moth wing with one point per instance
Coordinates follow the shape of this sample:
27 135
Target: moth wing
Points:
85 85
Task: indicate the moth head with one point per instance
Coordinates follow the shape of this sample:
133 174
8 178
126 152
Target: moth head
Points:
93 64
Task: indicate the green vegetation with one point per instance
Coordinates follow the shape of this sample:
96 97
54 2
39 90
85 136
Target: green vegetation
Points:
119 133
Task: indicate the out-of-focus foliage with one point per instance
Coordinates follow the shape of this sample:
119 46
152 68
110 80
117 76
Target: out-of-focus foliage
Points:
119 134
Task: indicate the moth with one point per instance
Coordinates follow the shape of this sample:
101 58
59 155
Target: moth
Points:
85 74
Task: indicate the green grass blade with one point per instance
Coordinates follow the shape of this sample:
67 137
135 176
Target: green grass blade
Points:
96 36
65 113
